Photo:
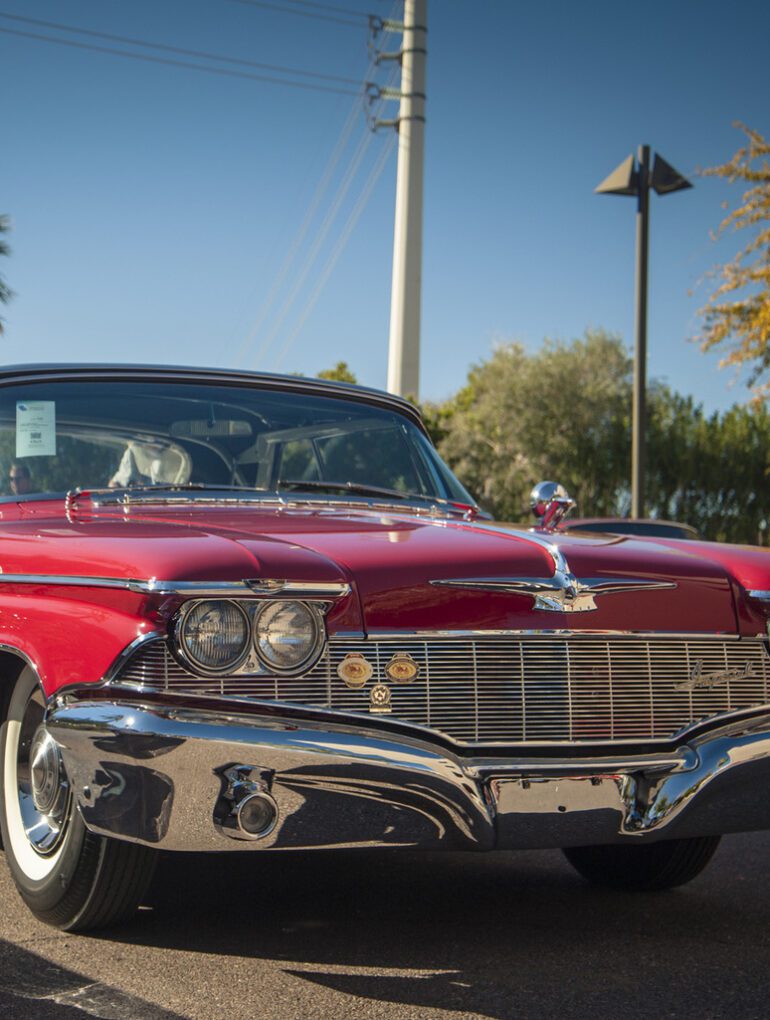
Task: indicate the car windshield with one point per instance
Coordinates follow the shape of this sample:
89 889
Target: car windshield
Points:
93 434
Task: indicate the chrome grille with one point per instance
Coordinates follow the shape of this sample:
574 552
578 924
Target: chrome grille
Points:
512 688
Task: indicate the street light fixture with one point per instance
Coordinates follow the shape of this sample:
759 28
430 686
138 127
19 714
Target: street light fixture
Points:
636 177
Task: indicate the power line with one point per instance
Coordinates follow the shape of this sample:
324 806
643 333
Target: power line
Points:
307 86
176 49
328 7
339 247
268 302
310 258
288 260
315 249
283 9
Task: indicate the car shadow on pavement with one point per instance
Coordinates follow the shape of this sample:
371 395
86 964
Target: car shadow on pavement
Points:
494 935
31 986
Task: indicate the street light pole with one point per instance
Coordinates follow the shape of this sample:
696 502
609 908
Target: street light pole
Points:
639 415
636 178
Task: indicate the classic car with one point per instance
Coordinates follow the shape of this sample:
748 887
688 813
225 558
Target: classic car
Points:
250 612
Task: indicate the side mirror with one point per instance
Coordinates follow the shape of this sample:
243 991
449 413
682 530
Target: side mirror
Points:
550 503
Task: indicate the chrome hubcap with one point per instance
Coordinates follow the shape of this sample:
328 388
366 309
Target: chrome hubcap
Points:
45 767
43 790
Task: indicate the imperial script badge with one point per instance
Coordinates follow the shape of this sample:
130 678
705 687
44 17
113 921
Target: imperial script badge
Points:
698 679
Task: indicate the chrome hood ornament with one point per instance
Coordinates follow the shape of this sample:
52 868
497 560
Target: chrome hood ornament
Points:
550 503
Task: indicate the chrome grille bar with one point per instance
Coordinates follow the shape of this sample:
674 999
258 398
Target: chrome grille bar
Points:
531 688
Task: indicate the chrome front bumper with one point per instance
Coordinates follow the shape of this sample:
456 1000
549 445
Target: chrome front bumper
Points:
162 776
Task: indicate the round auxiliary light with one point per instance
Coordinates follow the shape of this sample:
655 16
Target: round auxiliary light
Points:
214 635
257 815
288 636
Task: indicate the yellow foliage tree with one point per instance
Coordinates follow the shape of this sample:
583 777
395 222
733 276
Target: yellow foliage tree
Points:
737 315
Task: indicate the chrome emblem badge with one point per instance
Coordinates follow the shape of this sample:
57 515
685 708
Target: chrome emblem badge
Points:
698 679
562 593
354 670
379 699
402 668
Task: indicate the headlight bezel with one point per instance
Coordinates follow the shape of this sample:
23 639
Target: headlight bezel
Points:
318 636
188 658
251 661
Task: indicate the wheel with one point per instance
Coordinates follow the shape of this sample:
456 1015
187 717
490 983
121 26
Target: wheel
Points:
644 867
67 876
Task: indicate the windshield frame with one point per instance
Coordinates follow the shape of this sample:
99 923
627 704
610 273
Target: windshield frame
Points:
441 486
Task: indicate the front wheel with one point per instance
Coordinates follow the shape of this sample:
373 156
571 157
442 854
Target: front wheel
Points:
644 867
67 876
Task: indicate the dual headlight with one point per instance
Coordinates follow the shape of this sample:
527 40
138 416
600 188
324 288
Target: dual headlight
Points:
222 635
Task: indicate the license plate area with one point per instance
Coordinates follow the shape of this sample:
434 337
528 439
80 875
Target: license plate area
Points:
555 811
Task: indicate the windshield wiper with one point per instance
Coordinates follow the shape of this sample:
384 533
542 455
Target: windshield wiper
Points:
359 488
161 489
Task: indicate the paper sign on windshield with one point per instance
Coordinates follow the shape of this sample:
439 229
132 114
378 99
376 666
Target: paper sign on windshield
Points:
36 428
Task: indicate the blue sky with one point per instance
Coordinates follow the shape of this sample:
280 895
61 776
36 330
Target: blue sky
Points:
155 208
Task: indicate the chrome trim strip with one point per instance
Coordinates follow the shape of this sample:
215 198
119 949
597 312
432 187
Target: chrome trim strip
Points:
680 759
269 588
99 499
562 593
299 589
122 659
464 635
23 655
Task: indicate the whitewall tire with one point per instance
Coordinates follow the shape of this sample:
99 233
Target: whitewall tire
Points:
67 876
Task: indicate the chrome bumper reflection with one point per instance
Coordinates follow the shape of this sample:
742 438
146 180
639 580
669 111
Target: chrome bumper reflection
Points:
156 775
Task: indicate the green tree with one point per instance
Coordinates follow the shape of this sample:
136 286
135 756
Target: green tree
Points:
564 413
710 471
5 292
736 317
340 373
561 414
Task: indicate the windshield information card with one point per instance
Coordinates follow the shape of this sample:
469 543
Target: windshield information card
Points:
36 428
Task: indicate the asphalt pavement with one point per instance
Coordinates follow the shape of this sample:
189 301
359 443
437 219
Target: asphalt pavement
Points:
404 935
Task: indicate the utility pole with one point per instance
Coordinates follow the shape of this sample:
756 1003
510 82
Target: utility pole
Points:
404 345
635 178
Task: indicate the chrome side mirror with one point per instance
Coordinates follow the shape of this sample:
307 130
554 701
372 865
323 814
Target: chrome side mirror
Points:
550 503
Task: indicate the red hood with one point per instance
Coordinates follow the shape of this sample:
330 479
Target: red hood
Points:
390 560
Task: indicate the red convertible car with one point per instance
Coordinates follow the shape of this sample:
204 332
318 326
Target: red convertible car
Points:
252 612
